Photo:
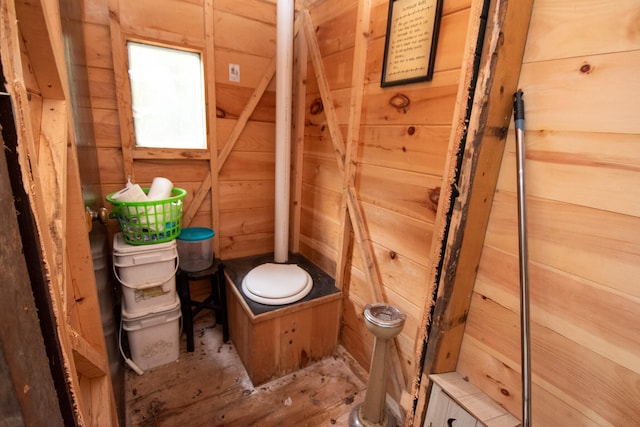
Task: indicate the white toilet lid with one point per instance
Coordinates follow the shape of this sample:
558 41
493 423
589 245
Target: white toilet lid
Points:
277 284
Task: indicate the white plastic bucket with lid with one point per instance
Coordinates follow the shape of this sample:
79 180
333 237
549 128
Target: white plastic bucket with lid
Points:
147 274
154 337
195 247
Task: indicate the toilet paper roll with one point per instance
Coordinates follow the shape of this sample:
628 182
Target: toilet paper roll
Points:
158 217
131 193
160 189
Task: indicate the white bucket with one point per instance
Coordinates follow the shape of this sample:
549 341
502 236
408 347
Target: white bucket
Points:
147 274
154 337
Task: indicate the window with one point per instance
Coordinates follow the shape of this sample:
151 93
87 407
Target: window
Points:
167 97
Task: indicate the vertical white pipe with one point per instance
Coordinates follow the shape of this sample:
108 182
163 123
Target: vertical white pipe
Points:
284 67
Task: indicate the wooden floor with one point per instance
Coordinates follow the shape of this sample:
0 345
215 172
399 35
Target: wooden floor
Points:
210 387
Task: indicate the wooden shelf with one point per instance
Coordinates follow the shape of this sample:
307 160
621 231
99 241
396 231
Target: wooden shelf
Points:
480 409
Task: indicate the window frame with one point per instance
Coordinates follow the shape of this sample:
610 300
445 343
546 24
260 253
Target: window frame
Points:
125 104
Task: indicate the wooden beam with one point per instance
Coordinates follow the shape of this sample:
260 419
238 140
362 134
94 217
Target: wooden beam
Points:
52 166
142 153
350 204
34 25
246 113
300 92
198 198
28 161
325 90
353 133
497 80
123 89
212 140
89 361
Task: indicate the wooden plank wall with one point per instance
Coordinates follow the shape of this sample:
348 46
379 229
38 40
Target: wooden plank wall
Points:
582 98
399 164
244 34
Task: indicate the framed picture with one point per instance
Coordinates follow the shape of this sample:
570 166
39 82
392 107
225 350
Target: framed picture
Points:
411 40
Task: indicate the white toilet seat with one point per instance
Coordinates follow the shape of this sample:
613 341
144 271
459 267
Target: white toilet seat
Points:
277 284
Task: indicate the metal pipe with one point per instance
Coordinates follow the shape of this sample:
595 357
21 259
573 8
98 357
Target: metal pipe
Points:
518 114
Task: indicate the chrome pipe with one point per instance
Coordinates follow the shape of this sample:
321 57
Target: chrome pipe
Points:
518 112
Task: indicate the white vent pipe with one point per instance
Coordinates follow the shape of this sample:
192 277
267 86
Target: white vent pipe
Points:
284 67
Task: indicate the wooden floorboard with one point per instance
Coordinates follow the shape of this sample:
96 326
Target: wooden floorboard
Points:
210 387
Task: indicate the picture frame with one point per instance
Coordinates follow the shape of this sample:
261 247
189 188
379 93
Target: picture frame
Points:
411 41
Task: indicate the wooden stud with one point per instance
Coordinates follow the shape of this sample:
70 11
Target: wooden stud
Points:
211 180
300 86
123 90
246 113
325 90
349 192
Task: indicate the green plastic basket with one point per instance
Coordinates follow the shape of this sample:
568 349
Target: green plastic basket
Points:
147 223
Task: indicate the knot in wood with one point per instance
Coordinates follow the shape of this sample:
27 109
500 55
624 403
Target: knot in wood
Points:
434 198
586 68
220 113
400 102
316 107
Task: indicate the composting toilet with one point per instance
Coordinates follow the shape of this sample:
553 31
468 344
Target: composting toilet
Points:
277 284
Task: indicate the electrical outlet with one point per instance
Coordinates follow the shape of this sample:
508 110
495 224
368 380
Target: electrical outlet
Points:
234 73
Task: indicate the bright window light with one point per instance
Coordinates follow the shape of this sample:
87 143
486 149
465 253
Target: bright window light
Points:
167 97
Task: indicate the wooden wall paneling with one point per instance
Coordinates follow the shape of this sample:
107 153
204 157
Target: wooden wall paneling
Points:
607 256
238 33
502 53
337 66
326 11
614 30
233 99
261 11
550 83
414 148
408 193
246 114
558 358
99 47
256 136
336 33
325 90
197 200
577 168
106 128
176 21
490 368
566 304
212 130
252 68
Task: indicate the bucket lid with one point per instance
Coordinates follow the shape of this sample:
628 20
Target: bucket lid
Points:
195 234
273 281
120 247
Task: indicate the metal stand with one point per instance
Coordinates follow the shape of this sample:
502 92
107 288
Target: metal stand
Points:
216 301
